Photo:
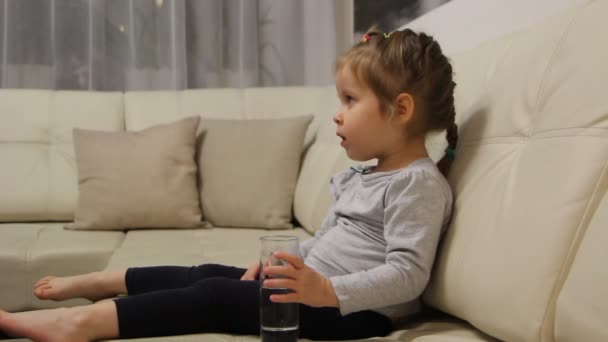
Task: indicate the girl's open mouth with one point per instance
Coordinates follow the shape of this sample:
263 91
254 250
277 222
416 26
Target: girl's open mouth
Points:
343 142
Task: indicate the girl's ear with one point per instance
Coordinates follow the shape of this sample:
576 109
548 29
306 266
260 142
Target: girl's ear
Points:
404 108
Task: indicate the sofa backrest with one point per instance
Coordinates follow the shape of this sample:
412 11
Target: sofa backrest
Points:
147 108
529 175
38 174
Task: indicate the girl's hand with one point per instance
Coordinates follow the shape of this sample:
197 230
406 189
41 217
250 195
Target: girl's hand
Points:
252 272
308 286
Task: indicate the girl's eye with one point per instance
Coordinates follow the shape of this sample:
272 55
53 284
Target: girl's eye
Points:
348 98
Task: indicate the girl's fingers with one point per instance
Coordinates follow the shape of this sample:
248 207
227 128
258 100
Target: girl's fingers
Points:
284 298
280 283
295 261
287 271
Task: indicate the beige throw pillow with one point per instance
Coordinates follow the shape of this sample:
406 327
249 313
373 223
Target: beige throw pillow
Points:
248 170
144 179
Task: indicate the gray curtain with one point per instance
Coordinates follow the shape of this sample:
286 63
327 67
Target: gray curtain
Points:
167 44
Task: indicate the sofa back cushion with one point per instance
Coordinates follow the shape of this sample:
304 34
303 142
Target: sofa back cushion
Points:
248 170
38 174
533 117
140 179
582 305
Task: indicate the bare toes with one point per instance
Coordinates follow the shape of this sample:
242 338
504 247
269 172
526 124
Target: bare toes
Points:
40 283
43 281
40 292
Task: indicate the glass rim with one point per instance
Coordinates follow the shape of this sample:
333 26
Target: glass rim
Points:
281 238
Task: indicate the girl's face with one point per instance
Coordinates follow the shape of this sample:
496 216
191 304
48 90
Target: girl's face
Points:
365 131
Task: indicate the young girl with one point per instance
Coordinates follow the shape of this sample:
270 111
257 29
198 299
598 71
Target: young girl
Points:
365 267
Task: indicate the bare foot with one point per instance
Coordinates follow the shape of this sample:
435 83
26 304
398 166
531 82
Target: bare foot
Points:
42 326
89 286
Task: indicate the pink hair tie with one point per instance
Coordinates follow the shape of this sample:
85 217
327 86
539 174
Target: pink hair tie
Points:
366 37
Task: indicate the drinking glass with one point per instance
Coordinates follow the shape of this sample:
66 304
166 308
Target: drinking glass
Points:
278 321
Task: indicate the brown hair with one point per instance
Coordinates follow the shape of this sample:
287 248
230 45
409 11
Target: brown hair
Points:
405 61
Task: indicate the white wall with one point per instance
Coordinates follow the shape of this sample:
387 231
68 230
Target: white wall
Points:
463 24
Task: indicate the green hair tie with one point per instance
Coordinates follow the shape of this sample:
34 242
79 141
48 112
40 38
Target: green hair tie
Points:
451 153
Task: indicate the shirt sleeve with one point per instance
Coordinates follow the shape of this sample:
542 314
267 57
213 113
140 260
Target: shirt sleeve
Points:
414 212
337 183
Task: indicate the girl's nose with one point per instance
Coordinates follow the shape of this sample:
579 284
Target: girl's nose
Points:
337 118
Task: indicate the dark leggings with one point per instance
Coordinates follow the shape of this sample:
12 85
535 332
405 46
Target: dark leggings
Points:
174 300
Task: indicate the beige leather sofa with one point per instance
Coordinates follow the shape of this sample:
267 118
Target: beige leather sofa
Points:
523 260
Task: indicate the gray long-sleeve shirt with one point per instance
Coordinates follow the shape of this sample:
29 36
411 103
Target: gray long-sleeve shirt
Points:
378 241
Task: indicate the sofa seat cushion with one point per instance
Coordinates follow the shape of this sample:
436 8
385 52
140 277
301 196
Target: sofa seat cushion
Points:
438 329
428 331
29 252
231 246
